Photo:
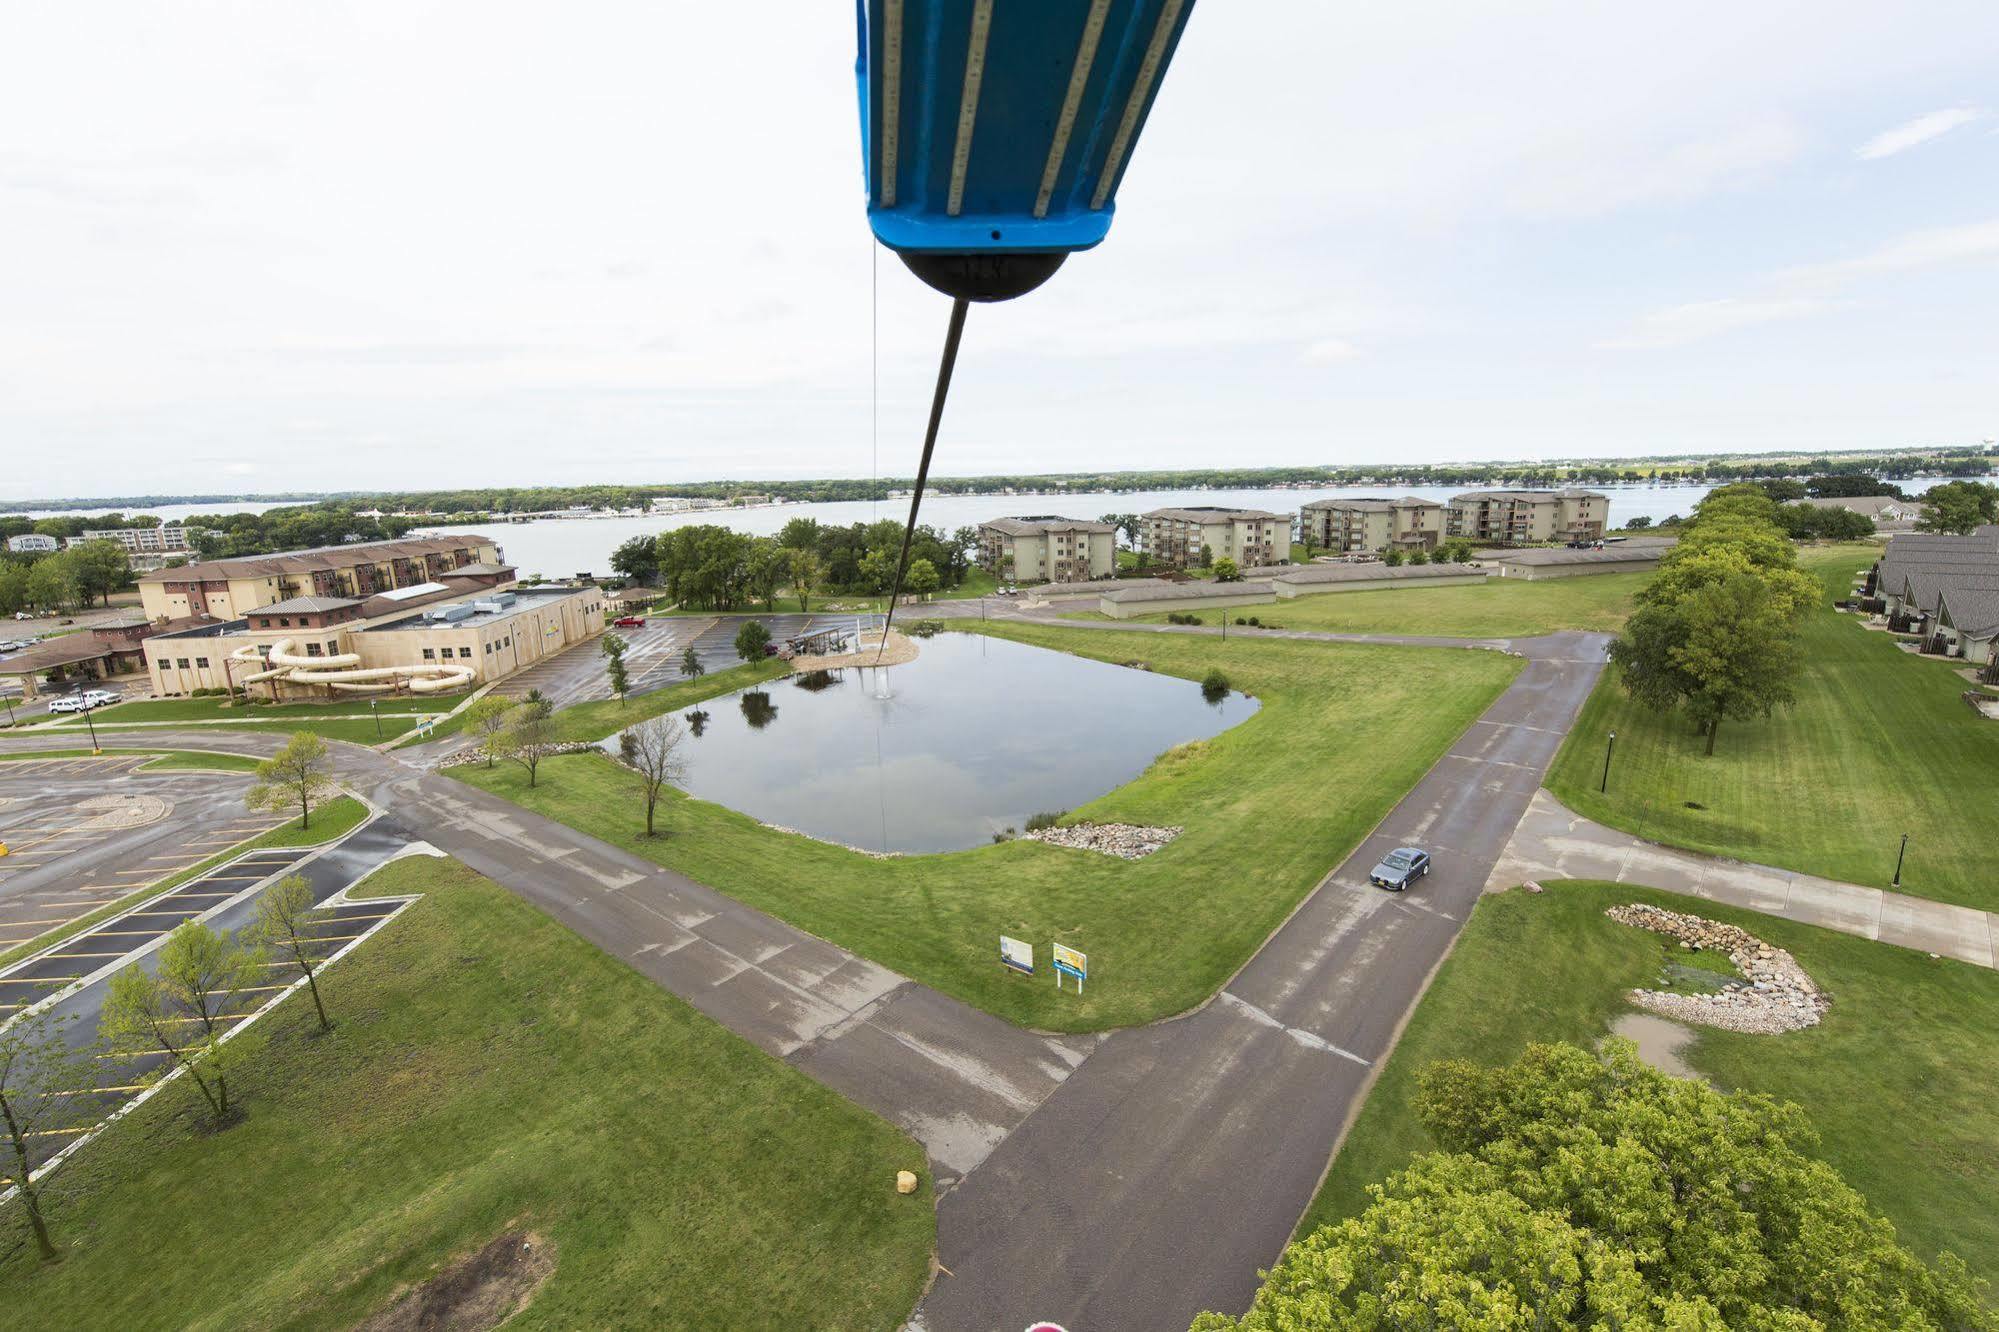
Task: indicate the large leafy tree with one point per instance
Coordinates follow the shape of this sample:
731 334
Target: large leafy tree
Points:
1573 1192
1958 506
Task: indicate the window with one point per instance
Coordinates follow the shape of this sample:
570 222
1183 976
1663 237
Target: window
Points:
332 648
312 649
463 652
430 654
182 663
488 647
284 623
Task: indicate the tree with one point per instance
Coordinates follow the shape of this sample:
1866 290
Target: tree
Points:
1578 1193
1419 556
751 640
1207 556
637 560
766 569
652 749
1738 653
297 775
805 575
613 647
284 925
1391 557
488 717
52 584
1957 507
526 740
1226 570
180 1010
1638 524
1782 489
876 574
100 568
922 578
45 1088
690 664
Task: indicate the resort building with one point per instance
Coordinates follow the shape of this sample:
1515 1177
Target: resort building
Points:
1519 517
1944 589
1885 511
166 539
231 588
105 649
426 638
1250 537
1048 549
30 543
1371 526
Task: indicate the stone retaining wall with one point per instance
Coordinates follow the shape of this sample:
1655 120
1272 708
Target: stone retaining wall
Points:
1774 996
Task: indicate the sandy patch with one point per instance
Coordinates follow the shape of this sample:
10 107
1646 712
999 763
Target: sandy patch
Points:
900 651
1659 1041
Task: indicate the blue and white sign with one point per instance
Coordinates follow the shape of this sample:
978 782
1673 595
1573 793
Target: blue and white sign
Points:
1018 955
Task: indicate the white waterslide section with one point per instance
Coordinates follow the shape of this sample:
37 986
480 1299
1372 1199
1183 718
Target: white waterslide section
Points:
343 672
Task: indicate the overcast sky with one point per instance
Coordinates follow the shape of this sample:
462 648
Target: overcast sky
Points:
272 246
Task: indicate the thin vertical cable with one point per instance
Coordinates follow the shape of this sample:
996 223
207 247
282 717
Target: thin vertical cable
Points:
952 334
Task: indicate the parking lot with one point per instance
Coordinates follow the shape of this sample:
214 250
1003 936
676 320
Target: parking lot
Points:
226 899
653 661
81 833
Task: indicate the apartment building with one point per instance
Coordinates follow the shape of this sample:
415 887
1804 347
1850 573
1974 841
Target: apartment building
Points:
1045 548
30 543
166 539
1372 525
229 589
1248 536
1516 517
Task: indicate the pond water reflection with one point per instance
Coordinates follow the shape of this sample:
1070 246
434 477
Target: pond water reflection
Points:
976 735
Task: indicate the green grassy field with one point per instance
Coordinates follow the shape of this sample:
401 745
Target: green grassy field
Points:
684 1178
218 709
1878 744
333 819
182 760
1508 607
1163 932
358 730
1901 1079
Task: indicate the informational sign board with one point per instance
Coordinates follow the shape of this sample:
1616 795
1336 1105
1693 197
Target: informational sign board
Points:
1018 955
1069 962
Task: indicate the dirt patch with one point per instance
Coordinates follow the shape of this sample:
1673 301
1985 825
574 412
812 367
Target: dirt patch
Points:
868 651
475 1293
1659 1040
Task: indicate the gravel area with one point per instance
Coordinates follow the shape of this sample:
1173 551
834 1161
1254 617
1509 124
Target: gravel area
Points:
1127 841
1774 996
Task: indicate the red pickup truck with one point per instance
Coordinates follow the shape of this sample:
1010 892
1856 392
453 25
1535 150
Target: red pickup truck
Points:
629 622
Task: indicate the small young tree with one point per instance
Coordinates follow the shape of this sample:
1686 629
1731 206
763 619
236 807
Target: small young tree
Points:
805 576
537 703
1226 570
922 578
1419 556
180 1010
751 640
652 749
1391 557
45 1083
614 647
283 925
690 665
297 776
526 741
487 718
1207 556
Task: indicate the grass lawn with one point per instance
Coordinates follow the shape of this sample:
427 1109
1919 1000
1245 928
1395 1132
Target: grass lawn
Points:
1878 744
1508 607
602 717
357 730
218 709
1901 1079
684 1178
182 760
1262 827
336 817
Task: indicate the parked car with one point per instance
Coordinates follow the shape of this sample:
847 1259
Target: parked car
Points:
68 703
1400 868
97 698
629 622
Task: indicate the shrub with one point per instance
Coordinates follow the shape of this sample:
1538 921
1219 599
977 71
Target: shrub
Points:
1045 820
1240 620
1214 685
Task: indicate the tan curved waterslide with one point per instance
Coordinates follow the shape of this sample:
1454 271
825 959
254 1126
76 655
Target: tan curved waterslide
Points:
343 672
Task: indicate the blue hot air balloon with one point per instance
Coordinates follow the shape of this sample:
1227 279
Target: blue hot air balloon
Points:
995 132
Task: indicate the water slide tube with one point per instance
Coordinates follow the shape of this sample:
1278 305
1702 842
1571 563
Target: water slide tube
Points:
343 672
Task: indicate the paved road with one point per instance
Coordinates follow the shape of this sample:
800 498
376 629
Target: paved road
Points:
1553 842
576 675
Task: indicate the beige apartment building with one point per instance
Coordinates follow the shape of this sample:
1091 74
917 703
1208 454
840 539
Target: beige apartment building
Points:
1048 549
425 638
1371 526
1250 537
166 539
230 589
1516 517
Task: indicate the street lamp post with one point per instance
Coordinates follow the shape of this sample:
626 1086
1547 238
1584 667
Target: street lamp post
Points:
1898 859
91 722
375 709
1603 787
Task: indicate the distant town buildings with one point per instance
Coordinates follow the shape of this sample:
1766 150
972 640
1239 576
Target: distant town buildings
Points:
31 543
1372 525
1885 510
1250 537
226 589
162 540
1518 517
1045 548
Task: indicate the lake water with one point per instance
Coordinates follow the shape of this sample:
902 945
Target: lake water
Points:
976 735
559 547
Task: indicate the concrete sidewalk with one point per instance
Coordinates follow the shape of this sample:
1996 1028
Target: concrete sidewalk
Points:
1554 842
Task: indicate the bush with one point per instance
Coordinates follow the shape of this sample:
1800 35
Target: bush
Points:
751 640
1258 623
1182 617
1214 685
1240 620
1045 820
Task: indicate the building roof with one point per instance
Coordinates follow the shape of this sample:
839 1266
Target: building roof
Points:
1314 574
1618 554
523 600
422 594
1923 586
68 650
1373 505
1098 585
481 569
1972 611
319 557
1925 550
1165 591
1871 505
305 606
1215 513
1569 493
1047 522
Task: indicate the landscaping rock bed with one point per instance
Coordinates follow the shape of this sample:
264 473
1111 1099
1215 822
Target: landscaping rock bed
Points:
1127 841
1774 996
477 753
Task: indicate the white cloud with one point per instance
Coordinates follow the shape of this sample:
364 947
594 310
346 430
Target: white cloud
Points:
1928 248
1327 350
1915 133
1678 325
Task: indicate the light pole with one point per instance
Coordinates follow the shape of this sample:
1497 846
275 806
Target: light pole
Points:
375 710
91 722
1603 787
1898 859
